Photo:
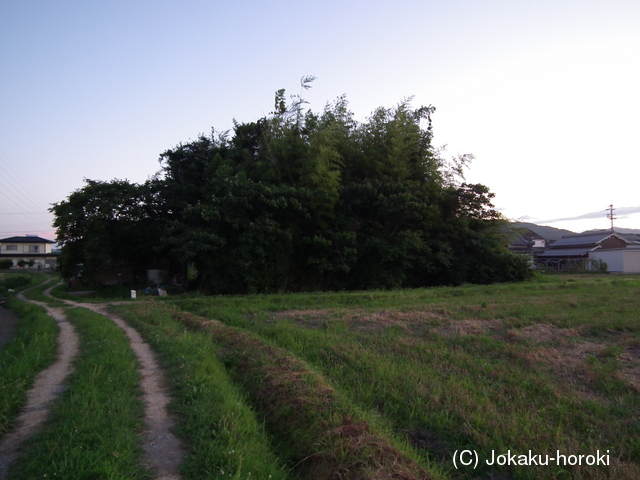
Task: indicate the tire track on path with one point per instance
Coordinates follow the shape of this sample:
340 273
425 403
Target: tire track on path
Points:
48 384
163 450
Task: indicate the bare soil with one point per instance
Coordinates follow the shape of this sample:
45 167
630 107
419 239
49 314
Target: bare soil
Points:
163 450
48 384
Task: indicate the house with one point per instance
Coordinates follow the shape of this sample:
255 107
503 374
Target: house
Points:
620 251
525 240
30 249
619 260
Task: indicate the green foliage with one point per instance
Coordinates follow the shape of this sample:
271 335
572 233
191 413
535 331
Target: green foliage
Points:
299 201
15 281
106 223
598 266
6 264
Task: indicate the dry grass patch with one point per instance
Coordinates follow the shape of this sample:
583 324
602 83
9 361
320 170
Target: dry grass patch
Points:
630 361
470 327
562 351
544 333
411 321
297 314
569 360
361 320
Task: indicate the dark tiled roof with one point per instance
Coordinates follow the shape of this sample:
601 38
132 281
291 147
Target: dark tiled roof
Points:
26 239
580 240
522 238
526 234
593 238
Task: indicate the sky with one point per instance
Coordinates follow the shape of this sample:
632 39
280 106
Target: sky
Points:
545 94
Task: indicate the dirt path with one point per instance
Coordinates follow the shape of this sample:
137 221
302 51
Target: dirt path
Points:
48 384
163 451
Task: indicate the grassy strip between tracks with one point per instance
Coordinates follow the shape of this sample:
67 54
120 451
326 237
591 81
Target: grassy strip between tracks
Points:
224 437
30 351
547 366
37 293
94 428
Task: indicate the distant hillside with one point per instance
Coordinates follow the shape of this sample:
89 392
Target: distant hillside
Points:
549 233
634 231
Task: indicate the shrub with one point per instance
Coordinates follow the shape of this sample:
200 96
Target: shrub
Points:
15 281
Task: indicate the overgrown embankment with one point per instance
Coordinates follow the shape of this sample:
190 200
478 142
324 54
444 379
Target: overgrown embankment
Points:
305 413
317 433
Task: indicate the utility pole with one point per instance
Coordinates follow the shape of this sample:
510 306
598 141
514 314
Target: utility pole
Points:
611 216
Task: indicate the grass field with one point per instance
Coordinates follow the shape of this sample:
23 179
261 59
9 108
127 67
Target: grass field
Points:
393 384
544 366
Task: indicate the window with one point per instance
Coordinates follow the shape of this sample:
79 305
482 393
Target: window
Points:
12 247
34 248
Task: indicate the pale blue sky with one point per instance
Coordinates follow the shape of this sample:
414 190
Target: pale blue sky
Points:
545 94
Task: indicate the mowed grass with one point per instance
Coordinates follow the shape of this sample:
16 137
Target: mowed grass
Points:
22 358
224 437
548 365
94 428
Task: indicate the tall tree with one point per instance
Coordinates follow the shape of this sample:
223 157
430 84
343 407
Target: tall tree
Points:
105 222
301 200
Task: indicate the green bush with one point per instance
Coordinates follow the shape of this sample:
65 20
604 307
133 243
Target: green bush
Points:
14 281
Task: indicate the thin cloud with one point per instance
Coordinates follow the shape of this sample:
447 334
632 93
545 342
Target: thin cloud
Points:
619 212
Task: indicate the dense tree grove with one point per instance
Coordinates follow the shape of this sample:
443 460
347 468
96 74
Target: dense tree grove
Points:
298 201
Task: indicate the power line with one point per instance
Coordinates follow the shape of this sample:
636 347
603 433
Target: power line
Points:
25 213
27 207
9 199
611 216
17 172
18 191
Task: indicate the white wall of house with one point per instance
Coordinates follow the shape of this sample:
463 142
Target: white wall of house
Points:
619 260
19 248
632 260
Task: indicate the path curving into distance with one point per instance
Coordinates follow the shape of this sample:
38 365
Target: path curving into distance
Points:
163 450
46 387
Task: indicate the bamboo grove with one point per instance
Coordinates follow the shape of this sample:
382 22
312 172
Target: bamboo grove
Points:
297 200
